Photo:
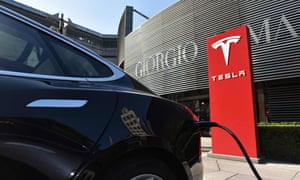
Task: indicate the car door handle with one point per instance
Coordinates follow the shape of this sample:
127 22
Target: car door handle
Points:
58 103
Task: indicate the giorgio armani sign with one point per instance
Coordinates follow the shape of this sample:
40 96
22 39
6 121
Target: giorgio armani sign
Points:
168 59
272 28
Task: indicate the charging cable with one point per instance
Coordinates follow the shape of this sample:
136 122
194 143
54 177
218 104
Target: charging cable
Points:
199 126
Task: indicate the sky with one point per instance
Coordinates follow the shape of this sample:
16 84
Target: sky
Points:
102 16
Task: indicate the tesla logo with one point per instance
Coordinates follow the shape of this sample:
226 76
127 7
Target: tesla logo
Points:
230 75
225 45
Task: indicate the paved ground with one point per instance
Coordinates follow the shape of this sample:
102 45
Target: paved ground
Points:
221 169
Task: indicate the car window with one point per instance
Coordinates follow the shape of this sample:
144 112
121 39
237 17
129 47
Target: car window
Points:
11 47
25 49
76 63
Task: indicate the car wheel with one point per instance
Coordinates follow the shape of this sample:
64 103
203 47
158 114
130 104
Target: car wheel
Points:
142 168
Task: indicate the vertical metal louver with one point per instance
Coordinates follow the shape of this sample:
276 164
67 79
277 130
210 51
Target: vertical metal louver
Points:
283 102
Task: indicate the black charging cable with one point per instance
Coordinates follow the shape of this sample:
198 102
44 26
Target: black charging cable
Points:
204 125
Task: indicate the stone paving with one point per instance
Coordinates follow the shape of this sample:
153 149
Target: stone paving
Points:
221 169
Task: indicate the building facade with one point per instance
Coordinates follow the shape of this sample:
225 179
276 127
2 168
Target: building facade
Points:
168 53
103 44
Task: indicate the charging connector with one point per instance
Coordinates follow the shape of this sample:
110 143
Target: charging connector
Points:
199 126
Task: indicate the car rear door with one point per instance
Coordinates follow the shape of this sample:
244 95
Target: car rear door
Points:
50 115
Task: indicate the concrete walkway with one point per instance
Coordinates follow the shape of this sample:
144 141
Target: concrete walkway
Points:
221 169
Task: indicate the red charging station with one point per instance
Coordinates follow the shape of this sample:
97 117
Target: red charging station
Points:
231 91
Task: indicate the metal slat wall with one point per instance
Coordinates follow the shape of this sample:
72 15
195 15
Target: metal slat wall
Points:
211 18
275 38
283 102
180 25
159 35
274 28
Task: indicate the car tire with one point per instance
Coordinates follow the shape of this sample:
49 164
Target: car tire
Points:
141 168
